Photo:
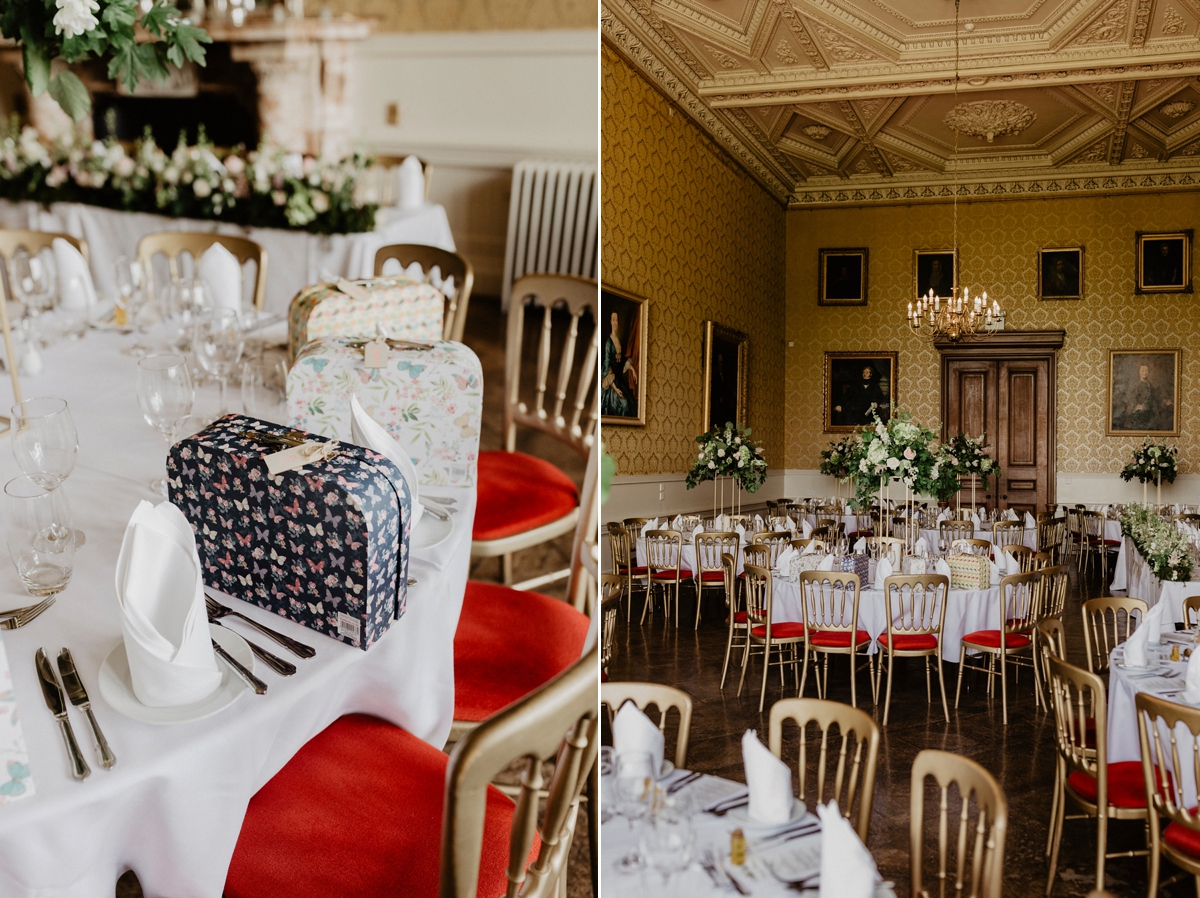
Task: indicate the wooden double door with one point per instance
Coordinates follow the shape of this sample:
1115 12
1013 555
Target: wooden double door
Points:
1003 389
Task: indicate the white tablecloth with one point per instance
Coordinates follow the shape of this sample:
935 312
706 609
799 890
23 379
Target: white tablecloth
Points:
688 554
968 610
1138 580
172 807
294 258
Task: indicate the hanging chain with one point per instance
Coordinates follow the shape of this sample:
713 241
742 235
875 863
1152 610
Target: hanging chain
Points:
955 130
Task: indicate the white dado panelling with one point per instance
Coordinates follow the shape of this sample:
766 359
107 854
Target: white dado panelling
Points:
473 104
1110 488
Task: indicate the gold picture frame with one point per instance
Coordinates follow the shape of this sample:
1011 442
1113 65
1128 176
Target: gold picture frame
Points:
1060 272
1140 403
846 412
1164 262
842 276
726 366
929 272
623 357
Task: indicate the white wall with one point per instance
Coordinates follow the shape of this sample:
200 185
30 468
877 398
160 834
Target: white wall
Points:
472 104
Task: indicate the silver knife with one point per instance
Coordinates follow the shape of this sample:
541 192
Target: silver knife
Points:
79 698
254 682
58 707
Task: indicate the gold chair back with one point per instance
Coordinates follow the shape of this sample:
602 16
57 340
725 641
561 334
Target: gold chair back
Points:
635 525
618 544
891 546
864 522
1008 533
824 534
801 544
571 423
916 604
710 547
774 540
952 530
830 511
757 554
1050 536
612 587
1053 600
758 595
1169 735
1019 595
173 244
971 546
1078 698
448 264
382 175
1053 636
664 549
1190 518
1023 554
584 569
1108 622
1042 560
857 745
977 871
826 596
1191 605
664 698
33 242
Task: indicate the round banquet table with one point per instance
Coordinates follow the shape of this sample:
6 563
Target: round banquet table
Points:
967 610
172 807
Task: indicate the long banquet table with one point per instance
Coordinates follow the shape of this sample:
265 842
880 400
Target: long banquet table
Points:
172 806
294 258
1137 579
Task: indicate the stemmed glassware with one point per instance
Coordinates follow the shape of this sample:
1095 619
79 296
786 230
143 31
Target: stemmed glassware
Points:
634 791
38 530
185 299
165 394
44 441
33 283
218 343
667 841
132 293
264 389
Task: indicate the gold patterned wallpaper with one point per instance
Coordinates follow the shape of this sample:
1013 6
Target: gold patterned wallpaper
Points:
999 244
686 228
471 15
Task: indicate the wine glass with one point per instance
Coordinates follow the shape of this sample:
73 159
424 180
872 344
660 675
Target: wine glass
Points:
38 530
218 345
131 298
166 394
184 300
634 791
33 282
608 772
264 388
667 841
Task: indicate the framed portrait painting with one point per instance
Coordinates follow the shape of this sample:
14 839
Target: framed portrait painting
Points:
857 384
726 358
842 277
933 269
622 357
1143 391
1060 272
1164 262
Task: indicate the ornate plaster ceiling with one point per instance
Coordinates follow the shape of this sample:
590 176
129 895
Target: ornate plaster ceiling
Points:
852 101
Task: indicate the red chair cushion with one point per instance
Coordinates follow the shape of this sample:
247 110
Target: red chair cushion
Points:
1182 838
496 661
739 617
1126 788
860 533
1112 542
356 813
712 576
670 575
517 493
991 639
783 630
911 642
640 571
837 639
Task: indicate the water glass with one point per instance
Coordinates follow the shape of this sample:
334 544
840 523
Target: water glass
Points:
132 295
264 388
165 394
633 787
184 300
667 841
33 283
73 314
41 541
44 440
218 342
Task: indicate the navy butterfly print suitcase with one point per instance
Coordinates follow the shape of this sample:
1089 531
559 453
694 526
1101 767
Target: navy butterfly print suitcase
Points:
325 545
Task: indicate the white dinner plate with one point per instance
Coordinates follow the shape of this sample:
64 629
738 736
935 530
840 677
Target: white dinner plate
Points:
117 688
429 532
741 816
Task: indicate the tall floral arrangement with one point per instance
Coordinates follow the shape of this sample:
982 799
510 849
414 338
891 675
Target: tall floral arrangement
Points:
969 457
729 452
1152 463
836 460
902 450
1160 542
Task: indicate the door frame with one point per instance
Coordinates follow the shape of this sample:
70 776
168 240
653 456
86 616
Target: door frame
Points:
1008 346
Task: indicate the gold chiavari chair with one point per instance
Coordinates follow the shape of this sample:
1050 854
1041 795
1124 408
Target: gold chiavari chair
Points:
448 265
916 614
1191 604
784 637
977 871
1168 734
1085 778
971 546
614 694
1074 537
1042 560
1008 533
830 600
736 519
1095 540
1108 622
173 244
1018 597
1023 554
776 541
1052 636
1190 518
949 531
758 554
620 545
1050 536
709 549
857 754
864 525
794 511
833 512
1052 604
611 585
664 557
907 529
825 534
891 546
801 544
736 620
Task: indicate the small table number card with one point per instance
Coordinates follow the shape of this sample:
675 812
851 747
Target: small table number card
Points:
15 781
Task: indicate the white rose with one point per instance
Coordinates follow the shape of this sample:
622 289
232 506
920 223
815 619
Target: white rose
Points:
75 17
893 463
320 201
202 188
712 464
124 167
720 453
171 175
278 197
235 165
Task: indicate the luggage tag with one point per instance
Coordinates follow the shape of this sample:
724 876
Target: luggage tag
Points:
299 456
375 352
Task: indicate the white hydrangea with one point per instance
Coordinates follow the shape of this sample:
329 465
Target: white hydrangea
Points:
75 17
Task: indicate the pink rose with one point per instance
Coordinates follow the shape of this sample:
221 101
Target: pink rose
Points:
910 454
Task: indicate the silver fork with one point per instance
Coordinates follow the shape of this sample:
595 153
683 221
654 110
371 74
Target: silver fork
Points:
217 610
19 620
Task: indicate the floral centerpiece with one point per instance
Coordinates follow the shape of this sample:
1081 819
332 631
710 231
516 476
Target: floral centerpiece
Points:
266 187
970 458
728 452
1160 542
1152 462
836 460
900 450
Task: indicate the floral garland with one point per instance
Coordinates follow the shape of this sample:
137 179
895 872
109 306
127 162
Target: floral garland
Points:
899 450
835 461
266 188
1152 461
729 453
1160 543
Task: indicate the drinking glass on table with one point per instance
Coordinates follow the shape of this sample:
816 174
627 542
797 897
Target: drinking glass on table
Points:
218 345
667 840
132 294
33 283
264 388
41 541
165 394
634 789
184 300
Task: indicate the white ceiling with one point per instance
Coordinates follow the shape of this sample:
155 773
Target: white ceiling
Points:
830 101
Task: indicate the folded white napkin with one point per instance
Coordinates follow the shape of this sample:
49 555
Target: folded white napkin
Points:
810 549
769 781
1012 515
1030 523
410 184
366 431
1011 564
921 549
758 522
722 522
160 591
677 522
860 544
651 524
76 291
1136 651
699 529
633 731
942 567
826 563
783 561
996 573
221 271
806 529
790 525
741 532
943 515
1191 693
1153 623
847 868
882 571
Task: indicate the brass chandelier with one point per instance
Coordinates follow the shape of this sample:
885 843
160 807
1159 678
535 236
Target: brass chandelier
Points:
958 317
